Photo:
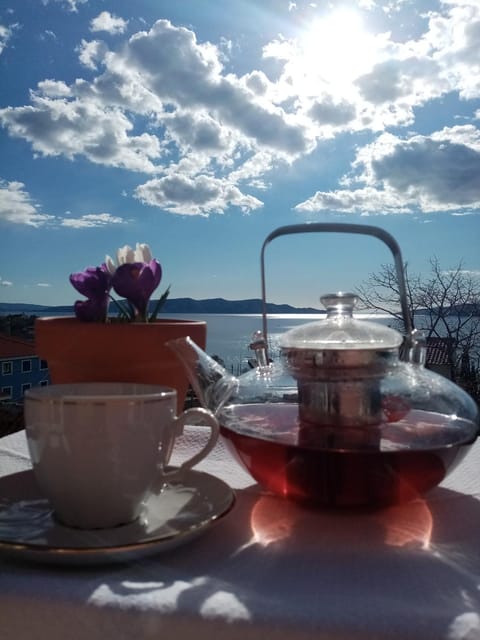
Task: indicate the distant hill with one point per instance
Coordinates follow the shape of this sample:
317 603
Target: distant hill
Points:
175 305
220 305
14 307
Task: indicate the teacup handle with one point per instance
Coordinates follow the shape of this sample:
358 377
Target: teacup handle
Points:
194 416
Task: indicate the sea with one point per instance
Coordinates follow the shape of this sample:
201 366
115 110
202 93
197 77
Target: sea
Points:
229 335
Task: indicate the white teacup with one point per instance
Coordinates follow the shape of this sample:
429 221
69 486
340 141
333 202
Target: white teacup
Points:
100 449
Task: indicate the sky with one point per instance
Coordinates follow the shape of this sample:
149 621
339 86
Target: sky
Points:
199 127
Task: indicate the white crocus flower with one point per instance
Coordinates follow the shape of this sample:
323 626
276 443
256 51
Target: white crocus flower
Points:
110 264
143 253
126 254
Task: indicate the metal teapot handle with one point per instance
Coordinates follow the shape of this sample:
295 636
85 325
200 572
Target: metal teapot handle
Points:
412 347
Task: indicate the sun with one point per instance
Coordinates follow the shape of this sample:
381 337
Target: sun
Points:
337 47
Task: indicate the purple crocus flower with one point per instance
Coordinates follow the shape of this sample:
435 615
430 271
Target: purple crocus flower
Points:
91 310
95 284
136 281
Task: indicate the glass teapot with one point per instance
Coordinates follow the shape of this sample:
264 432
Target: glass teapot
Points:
348 415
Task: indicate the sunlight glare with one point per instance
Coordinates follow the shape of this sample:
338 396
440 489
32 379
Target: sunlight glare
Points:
338 48
407 524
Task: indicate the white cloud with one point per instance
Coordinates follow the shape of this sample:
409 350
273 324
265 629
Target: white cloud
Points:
17 206
365 200
413 79
59 127
108 22
454 40
468 273
54 89
193 79
5 283
440 172
50 34
69 5
199 196
327 112
43 284
90 220
91 52
5 35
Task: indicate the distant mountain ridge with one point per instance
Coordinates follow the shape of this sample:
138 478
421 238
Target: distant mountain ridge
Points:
175 305
209 305
220 305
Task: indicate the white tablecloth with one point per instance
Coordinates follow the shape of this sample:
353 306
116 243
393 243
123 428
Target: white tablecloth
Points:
270 569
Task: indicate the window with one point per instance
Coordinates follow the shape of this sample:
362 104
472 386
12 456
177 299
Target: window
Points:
43 383
26 366
7 368
43 364
25 387
6 393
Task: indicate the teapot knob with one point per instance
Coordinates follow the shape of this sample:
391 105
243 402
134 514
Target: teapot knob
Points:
339 304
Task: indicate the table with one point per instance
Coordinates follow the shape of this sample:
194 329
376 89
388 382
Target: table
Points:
270 569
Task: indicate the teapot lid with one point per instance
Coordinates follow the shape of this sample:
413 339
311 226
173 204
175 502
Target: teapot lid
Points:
340 330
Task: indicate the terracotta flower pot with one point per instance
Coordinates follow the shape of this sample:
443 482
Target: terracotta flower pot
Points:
116 352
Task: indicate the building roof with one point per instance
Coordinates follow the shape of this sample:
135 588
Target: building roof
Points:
438 351
15 347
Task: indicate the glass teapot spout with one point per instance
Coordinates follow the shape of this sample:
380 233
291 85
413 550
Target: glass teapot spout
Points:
212 383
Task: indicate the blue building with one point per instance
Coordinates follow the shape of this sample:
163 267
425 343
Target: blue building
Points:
20 368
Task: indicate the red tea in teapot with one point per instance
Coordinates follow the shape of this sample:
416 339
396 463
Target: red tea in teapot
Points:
345 467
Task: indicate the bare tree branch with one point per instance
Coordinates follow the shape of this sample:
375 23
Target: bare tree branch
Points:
445 304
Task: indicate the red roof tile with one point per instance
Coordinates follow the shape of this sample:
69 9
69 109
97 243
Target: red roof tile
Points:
15 347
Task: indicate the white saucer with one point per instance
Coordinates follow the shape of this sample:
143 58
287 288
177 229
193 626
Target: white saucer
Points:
183 510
